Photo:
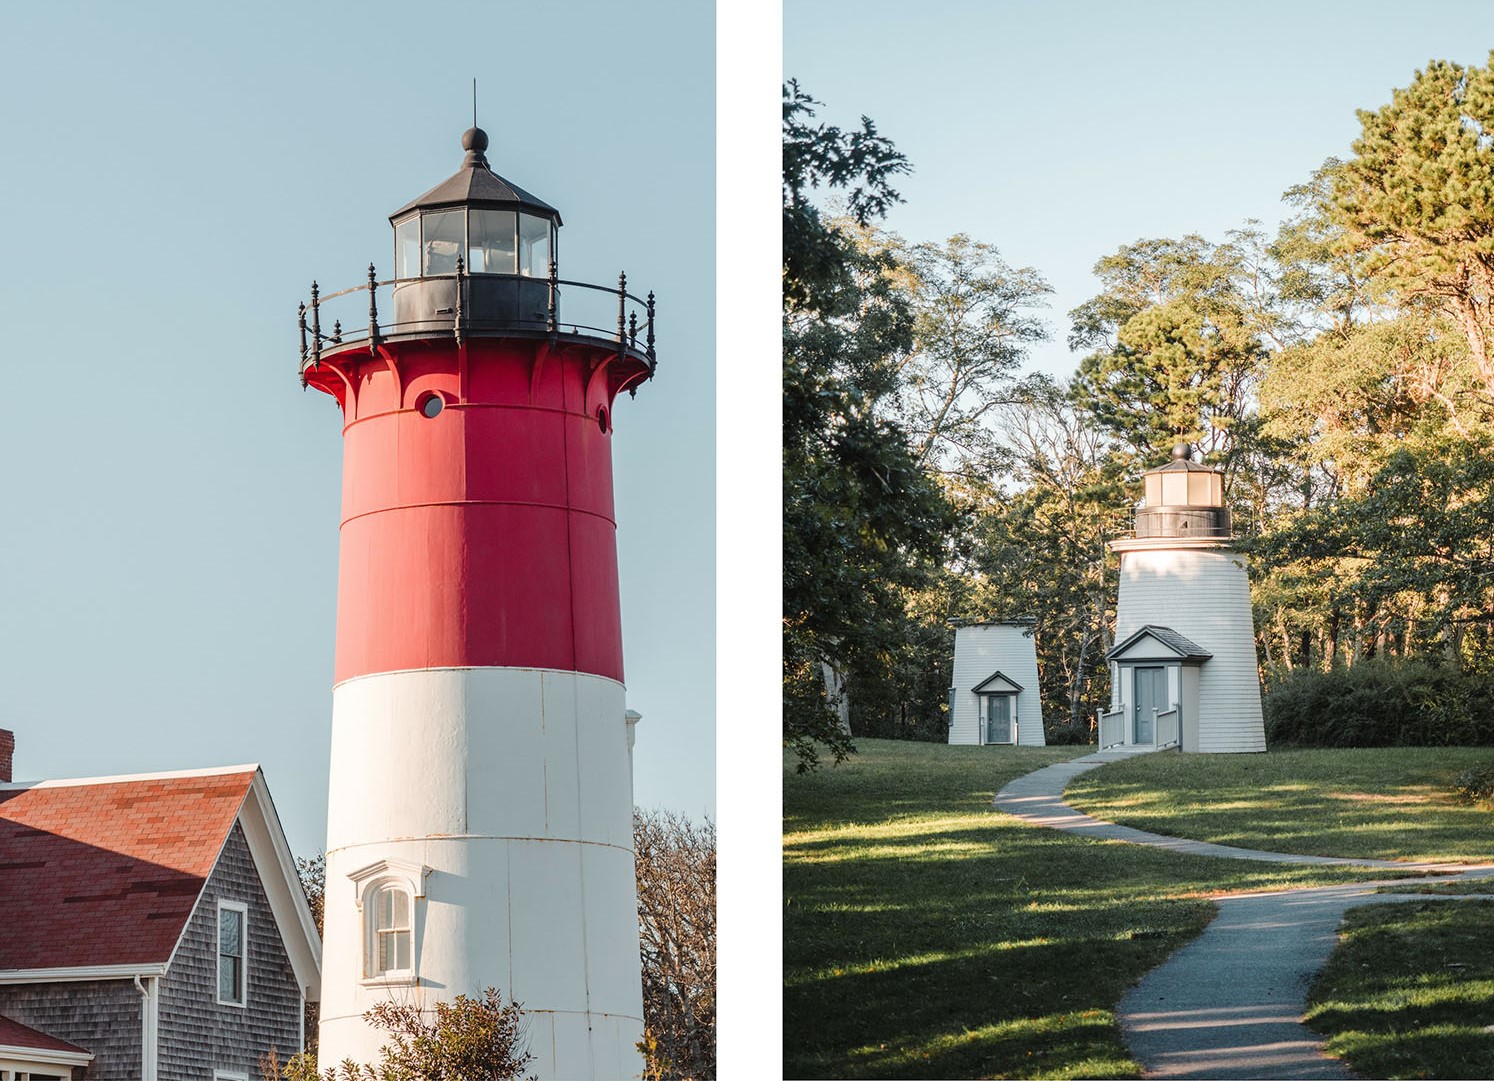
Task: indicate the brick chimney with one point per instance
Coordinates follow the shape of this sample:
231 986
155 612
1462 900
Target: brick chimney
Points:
7 754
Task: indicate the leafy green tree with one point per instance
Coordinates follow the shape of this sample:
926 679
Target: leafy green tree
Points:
972 327
1416 199
862 519
1176 349
1042 551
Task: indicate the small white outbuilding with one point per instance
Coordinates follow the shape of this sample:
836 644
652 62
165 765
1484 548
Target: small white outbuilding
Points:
993 694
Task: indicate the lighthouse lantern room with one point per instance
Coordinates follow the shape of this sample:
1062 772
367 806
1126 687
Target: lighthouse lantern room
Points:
1183 670
480 800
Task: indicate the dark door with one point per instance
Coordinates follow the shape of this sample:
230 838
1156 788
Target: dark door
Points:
999 718
1151 694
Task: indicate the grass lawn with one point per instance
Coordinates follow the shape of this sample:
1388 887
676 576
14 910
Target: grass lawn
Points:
1382 802
1477 885
928 935
1410 989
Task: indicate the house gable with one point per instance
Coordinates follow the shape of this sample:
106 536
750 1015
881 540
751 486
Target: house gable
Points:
197 1033
109 897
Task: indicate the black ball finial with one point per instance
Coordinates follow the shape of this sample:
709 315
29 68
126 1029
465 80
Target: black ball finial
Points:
1181 452
475 139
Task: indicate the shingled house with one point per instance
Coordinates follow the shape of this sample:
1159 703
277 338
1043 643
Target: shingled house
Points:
151 927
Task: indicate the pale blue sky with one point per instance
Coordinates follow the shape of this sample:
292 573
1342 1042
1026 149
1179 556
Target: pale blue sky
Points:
175 174
1061 130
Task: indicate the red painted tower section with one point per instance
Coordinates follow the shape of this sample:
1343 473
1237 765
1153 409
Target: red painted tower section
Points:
483 535
480 799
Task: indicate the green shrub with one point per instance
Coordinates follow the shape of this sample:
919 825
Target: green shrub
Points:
1381 704
1476 784
1062 733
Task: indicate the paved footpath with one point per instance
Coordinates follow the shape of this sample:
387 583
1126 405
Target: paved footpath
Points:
1228 1004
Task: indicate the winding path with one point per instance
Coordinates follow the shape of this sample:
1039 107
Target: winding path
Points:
1228 1004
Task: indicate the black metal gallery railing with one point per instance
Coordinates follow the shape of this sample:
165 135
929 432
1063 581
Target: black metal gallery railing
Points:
476 304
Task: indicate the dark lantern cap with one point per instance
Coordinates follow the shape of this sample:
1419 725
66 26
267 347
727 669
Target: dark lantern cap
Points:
1182 462
475 184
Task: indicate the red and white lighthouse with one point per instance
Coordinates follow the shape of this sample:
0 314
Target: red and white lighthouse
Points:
480 808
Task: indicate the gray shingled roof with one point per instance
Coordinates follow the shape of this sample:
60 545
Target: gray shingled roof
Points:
1169 638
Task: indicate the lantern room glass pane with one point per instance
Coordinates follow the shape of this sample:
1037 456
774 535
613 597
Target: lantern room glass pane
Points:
1174 489
407 248
534 246
492 242
1153 485
443 240
1203 489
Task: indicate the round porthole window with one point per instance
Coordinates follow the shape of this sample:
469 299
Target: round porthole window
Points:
602 419
430 404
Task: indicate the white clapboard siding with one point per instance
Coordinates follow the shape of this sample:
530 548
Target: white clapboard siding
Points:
1203 593
982 649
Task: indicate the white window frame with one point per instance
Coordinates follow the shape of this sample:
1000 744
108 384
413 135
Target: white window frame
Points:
243 911
225 1075
369 880
371 932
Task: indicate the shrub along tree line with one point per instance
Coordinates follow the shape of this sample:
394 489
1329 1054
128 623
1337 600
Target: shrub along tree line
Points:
1339 369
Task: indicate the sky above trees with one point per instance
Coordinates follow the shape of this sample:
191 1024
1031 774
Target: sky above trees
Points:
1060 132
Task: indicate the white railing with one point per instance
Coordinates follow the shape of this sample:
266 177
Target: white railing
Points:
1165 727
1112 728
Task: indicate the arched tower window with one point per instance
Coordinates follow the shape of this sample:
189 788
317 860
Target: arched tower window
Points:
389 932
388 895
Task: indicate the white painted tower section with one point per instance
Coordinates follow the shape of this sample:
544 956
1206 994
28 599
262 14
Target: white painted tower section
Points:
981 650
501 798
1200 589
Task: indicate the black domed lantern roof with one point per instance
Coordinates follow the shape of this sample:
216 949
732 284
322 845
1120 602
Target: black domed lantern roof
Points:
475 222
475 184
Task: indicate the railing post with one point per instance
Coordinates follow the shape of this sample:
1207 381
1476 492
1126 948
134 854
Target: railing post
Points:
301 320
632 330
461 280
373 313
622 304
550 315
316 327
337 332
650 340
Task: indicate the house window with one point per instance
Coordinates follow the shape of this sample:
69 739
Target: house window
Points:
233 920
224 1075
389 939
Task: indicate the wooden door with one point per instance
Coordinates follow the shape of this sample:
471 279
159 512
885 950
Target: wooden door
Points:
1151 696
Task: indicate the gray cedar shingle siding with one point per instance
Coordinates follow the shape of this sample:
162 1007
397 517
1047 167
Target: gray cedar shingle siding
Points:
102 1016
197 1035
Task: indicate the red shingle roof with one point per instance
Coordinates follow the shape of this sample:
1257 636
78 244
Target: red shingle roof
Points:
15 1034
106 872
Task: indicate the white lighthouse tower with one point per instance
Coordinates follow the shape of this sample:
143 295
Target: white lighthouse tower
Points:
480 809
1183 670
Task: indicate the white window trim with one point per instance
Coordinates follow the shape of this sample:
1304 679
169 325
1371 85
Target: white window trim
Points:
370 879
243 911
224 1075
